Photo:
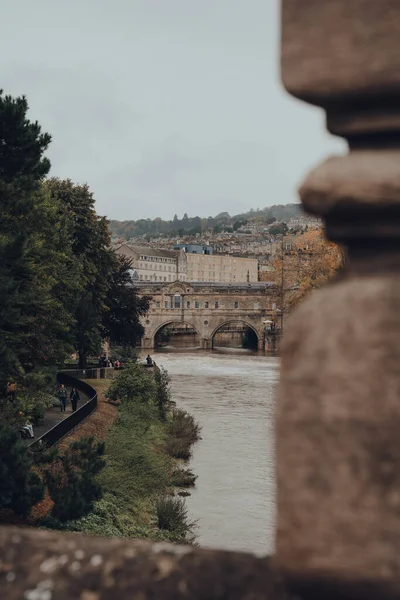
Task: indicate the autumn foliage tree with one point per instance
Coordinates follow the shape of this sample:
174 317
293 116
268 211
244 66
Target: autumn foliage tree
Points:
303 263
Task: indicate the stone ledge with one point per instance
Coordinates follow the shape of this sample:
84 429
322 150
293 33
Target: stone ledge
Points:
44 565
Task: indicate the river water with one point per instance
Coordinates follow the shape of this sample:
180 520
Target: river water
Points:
231 394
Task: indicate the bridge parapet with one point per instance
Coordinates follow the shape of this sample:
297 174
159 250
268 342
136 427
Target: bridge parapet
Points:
207 308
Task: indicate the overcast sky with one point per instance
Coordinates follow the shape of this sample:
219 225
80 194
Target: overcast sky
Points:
163 106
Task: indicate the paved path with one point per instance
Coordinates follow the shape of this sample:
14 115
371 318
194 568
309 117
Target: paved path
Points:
53 416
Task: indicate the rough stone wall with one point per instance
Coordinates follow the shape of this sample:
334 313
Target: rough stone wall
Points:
40 565
338 407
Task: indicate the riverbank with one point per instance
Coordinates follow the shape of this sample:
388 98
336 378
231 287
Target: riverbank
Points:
140 480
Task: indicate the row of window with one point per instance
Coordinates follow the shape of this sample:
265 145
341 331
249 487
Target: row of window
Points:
155 267
157 259
176 303
161 278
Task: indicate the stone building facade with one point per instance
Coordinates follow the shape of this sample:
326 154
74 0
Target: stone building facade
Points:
220 268
152 264
161 265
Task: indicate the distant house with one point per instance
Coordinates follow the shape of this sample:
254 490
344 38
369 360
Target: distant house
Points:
153 264
302 221
195 248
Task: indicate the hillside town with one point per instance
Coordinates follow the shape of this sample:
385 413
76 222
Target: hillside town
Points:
222 255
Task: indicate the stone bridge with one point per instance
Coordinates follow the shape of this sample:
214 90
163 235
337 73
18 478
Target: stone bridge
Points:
207 307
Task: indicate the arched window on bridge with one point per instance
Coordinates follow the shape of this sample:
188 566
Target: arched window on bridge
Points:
177 300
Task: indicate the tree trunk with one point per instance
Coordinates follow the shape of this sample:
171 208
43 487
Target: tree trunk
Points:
82 359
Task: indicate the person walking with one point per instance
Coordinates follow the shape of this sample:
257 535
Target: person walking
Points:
62 394
74 397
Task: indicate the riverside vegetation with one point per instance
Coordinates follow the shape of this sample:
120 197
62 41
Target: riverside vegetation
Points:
133 492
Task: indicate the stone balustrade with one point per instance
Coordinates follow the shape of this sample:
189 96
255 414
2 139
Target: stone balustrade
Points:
338 407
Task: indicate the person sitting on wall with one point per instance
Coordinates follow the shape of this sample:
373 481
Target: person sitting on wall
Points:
149 361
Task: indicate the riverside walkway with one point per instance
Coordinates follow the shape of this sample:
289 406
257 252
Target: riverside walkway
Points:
53 416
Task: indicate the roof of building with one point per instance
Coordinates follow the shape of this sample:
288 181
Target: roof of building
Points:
149 251
258 285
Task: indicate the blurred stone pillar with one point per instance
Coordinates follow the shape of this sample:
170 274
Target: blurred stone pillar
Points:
338 407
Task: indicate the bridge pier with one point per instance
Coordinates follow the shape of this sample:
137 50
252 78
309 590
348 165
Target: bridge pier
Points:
147 343
206 344
260 342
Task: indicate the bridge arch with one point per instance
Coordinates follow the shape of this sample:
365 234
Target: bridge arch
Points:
172 322
238 320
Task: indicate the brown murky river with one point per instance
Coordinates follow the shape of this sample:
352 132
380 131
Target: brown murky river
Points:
231 394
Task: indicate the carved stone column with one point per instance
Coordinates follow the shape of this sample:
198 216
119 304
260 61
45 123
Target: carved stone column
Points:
338 407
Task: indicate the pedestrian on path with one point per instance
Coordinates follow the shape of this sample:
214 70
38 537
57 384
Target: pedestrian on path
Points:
62 394
74 397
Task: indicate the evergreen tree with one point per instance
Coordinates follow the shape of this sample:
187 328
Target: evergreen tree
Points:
20 487
121 320
22 168
92 252
72 482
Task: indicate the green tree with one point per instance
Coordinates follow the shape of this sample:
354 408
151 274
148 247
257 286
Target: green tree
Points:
32 321
20 487
121 319
71 479
92 252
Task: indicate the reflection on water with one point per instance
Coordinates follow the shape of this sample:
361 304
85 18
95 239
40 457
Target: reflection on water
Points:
231 394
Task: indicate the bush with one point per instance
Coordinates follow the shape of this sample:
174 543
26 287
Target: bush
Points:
179 448
184 426
172 516
20 487
133 384
71 480
183 432
163 394
124 354
183 478
26 407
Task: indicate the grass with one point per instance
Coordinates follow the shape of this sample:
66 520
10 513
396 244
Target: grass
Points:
141 469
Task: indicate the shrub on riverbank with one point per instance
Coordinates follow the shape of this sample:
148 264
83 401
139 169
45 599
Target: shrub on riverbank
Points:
133 384
183 432
172 516
183 478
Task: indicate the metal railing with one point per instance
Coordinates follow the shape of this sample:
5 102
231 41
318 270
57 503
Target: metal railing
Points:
56 433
